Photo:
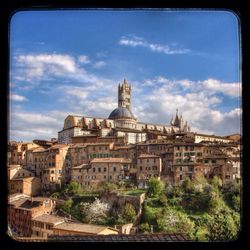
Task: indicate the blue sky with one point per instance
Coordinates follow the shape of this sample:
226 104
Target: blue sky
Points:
70 62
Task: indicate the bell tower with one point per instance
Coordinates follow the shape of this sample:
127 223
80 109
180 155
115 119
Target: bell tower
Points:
124 95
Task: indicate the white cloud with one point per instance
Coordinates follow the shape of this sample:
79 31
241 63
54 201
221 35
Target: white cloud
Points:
31 125
33 68
200 106
17 98
99 64
78 92
83 59
230 89
134 41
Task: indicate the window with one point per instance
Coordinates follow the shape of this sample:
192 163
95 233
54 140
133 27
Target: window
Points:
205 161
180 177
213 161
110 177
180 168
104 169
140 168
190 169
93 169
114 169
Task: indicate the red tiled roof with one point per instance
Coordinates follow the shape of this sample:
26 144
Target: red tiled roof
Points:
121 238
104 160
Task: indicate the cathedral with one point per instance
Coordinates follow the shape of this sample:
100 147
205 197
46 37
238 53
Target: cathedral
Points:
121 123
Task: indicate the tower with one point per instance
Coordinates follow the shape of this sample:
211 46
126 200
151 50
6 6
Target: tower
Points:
124 95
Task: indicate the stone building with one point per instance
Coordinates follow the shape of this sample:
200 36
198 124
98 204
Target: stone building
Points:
27 185
22 209
148 166
70 228
42 225
187 161
18 150
121 123
106 170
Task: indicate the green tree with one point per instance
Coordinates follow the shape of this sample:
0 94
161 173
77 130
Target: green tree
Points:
236 203
95 212
163 200
155 187
188 185
129 212
74 188
175 222
216 183
67 205
144 228
222 227
108 187
148 214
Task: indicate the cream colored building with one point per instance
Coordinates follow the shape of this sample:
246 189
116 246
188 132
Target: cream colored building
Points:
120 123
27 185
43 225
211 138
70 228
148 166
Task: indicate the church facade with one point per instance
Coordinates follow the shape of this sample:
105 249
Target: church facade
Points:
121 123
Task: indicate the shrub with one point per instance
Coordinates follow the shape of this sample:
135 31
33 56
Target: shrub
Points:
236 203
94 212
163 200
144 228
67 205
222 227
129 213
175 222
148 214
187 185
155 187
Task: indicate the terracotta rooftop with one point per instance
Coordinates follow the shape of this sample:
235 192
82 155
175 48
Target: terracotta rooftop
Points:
104 160
121 238
83 228
80 166
47 218
148 156
27 178
26 202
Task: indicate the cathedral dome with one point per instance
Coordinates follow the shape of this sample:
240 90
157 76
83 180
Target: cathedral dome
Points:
121 112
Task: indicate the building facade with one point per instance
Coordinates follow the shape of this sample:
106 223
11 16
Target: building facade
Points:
120 123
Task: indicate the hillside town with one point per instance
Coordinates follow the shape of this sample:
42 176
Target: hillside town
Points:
115 165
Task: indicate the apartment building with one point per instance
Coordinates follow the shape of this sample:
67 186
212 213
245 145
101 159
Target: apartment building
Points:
148 166
22 209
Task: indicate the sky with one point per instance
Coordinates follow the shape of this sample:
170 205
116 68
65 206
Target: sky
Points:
71 62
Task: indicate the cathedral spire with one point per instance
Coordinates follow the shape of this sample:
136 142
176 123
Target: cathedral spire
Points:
124 95
177 119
